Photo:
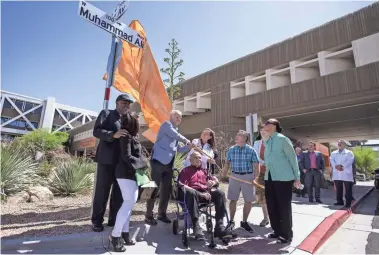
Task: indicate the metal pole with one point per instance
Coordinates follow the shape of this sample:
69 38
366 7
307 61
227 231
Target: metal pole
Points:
110 71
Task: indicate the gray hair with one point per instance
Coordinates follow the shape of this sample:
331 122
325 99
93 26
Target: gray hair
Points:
176 112
244 134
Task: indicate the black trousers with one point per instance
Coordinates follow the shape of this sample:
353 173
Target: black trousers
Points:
313 179
348 191
162 175
105 179
193 200
278 199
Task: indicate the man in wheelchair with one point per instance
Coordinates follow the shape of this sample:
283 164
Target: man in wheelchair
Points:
198 190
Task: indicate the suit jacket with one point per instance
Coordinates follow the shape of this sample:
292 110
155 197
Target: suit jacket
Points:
305 161
131 158
108 150
166 145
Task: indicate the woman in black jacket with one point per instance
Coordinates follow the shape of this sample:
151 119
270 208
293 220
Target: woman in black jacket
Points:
131 159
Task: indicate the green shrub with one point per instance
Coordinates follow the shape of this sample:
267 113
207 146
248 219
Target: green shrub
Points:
18 170
42 140
71 176
365 159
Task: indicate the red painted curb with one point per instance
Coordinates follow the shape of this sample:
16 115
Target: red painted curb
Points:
329 226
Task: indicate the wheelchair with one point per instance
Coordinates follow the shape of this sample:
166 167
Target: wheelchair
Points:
182 213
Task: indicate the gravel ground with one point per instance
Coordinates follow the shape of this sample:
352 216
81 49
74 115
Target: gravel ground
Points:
61 216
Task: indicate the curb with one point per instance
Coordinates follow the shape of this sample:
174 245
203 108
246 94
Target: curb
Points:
91 239
329 226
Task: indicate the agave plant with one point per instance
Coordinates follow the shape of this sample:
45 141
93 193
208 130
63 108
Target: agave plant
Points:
18 170
71 176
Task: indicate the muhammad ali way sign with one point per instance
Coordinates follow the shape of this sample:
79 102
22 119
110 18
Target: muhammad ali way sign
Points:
108 23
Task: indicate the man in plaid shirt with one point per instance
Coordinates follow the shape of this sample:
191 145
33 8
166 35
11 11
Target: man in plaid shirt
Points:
243 160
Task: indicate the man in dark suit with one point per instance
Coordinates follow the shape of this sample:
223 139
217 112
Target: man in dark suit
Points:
313 165
108 130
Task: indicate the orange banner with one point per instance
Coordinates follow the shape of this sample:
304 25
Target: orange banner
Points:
137 73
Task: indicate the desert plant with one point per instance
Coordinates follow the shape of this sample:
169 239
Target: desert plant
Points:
365 159
42 140
72 176
18 170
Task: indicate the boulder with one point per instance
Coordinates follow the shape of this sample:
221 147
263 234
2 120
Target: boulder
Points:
21 197
42 193
34 199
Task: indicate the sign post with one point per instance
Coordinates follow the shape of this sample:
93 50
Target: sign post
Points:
119 32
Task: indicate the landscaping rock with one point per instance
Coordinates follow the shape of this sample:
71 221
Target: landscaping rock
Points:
21 197
42 193
34 199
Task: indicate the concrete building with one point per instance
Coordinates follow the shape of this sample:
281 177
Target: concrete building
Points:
322 85
21 114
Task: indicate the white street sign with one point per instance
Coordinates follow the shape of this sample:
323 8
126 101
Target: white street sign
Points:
101 19
120 10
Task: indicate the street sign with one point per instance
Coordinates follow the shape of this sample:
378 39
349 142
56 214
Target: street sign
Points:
101 19
120 10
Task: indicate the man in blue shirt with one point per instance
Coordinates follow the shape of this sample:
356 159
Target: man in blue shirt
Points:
243 160
162 161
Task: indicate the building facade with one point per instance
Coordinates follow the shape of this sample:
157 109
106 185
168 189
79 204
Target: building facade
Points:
21 114
322 85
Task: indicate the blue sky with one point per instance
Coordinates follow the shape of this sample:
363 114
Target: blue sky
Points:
48 50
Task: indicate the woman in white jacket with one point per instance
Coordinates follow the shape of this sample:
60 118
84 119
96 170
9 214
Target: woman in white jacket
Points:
206 143
260 177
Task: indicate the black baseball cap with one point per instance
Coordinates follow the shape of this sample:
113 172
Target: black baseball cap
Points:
125 97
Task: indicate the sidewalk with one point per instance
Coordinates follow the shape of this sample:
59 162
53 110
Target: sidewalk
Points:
160 239
359 234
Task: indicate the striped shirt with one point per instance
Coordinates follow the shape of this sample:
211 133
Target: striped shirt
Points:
242 158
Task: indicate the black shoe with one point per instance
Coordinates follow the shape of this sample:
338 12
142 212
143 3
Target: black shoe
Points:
110 224
284 240
116 242
304 195
198 232
311 200
164 219
338 203
319 201
297 195
273 235
246 227
347 206
98 228
222 232
151 221
126 239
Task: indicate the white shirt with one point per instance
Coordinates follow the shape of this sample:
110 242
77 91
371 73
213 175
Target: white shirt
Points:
257 146
204 159
346 159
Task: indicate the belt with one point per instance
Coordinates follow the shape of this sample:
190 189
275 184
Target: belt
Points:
313 169
242 173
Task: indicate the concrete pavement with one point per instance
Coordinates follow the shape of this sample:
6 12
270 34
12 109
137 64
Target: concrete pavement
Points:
160 239
359 234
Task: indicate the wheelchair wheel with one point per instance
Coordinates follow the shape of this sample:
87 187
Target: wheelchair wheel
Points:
209 225
185 238
175 227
